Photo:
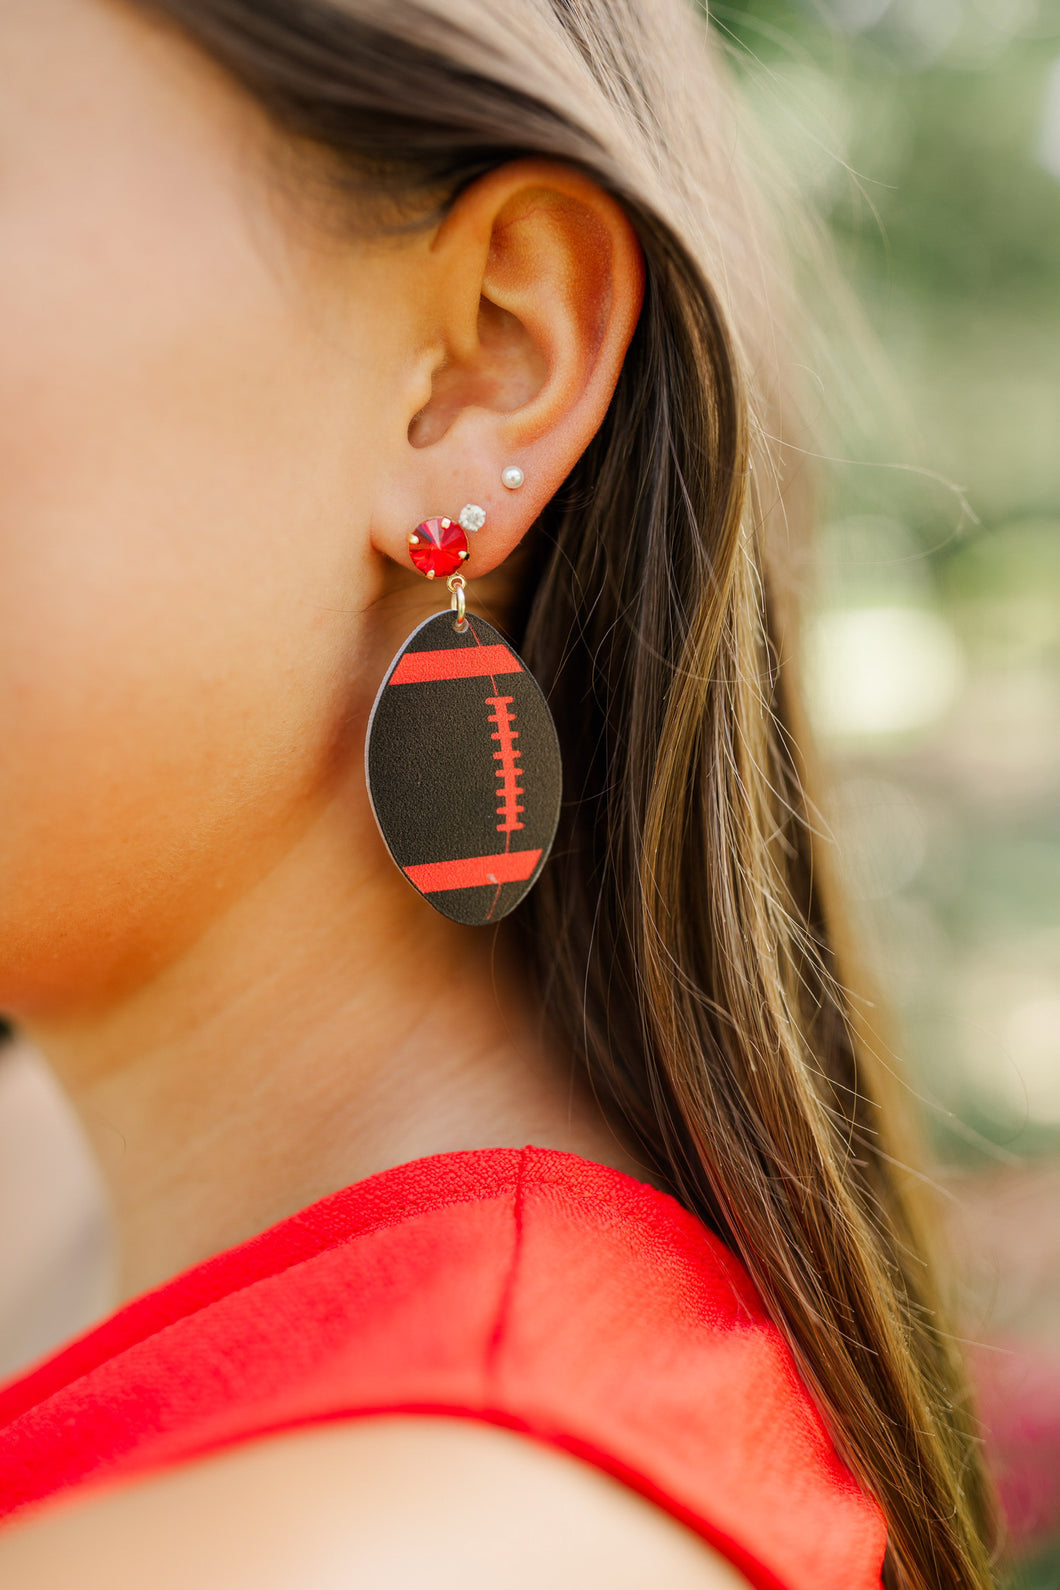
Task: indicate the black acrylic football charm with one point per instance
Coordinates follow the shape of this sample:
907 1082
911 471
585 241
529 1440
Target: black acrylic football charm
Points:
463 768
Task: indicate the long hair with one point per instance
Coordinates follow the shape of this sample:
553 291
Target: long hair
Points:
683 936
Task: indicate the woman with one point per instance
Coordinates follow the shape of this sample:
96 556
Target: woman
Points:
285 283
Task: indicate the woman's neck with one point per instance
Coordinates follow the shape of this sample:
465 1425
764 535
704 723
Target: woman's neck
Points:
326 1025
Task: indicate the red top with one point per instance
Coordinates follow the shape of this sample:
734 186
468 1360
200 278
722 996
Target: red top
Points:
525 1288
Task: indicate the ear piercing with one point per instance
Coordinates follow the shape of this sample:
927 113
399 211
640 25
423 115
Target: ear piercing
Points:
512 477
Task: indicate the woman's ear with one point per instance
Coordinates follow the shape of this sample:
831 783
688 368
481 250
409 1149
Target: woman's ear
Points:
531 290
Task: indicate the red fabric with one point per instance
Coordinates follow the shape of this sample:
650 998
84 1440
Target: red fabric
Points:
526 1288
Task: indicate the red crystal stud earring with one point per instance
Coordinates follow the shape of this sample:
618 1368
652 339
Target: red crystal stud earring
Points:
438 546
462 757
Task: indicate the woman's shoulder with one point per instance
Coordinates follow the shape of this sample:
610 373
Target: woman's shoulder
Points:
529 1290
392 1502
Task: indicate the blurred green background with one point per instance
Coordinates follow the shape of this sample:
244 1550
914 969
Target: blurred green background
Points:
926 134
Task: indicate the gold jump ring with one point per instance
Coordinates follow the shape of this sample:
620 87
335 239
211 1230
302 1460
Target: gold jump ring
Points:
456 584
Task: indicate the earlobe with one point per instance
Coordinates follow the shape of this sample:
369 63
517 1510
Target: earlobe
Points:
536 290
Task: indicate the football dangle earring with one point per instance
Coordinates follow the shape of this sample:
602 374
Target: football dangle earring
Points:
462 757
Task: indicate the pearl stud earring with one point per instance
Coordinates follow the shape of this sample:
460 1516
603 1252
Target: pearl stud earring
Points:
512 477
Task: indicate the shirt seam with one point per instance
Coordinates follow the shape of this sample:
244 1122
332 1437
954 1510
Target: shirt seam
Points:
496 1339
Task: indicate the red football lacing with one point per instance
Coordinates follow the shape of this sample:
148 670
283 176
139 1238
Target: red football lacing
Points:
509 771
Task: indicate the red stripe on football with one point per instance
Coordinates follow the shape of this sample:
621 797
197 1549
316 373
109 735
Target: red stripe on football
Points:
422 667
473 872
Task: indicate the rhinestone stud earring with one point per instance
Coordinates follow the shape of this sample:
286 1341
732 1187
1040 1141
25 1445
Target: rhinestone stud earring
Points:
471 517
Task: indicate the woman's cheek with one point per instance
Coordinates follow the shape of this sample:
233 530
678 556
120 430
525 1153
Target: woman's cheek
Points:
167 708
